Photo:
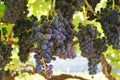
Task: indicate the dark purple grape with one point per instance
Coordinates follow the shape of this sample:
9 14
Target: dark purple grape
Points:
39 68
46 41
43 47
50 66
38 61
50 44
48 36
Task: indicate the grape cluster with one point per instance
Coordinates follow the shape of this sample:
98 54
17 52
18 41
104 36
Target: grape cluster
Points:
91 46
5 54
67 7
52 39
42 66
15 10
21 30
111 27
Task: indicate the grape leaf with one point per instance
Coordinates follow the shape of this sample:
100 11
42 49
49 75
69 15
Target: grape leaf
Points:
47 0
4 30
2 8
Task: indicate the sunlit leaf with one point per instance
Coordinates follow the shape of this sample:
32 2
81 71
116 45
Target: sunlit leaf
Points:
2 9
100 5
47 0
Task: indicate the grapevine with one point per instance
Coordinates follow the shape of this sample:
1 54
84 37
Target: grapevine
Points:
55 34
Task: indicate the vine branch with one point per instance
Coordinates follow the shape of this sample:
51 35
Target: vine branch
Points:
92 10
106 68
33 71
119 1
75 42
10 39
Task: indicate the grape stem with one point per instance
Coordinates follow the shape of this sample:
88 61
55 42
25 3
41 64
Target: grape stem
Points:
119 1
33 70
106 68
52 11
10 39
113 5
91 9
0 34
75 42
10 35
44 64
85 16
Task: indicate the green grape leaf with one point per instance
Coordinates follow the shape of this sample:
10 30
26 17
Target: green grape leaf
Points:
1 14
47 0
4 30
38 7
31 1
77 19
2 9
100 5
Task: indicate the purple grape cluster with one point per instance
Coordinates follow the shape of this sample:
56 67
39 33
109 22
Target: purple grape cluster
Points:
15 10
5 54
21 31
67 7
111 27
52 39
42 67
91 46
